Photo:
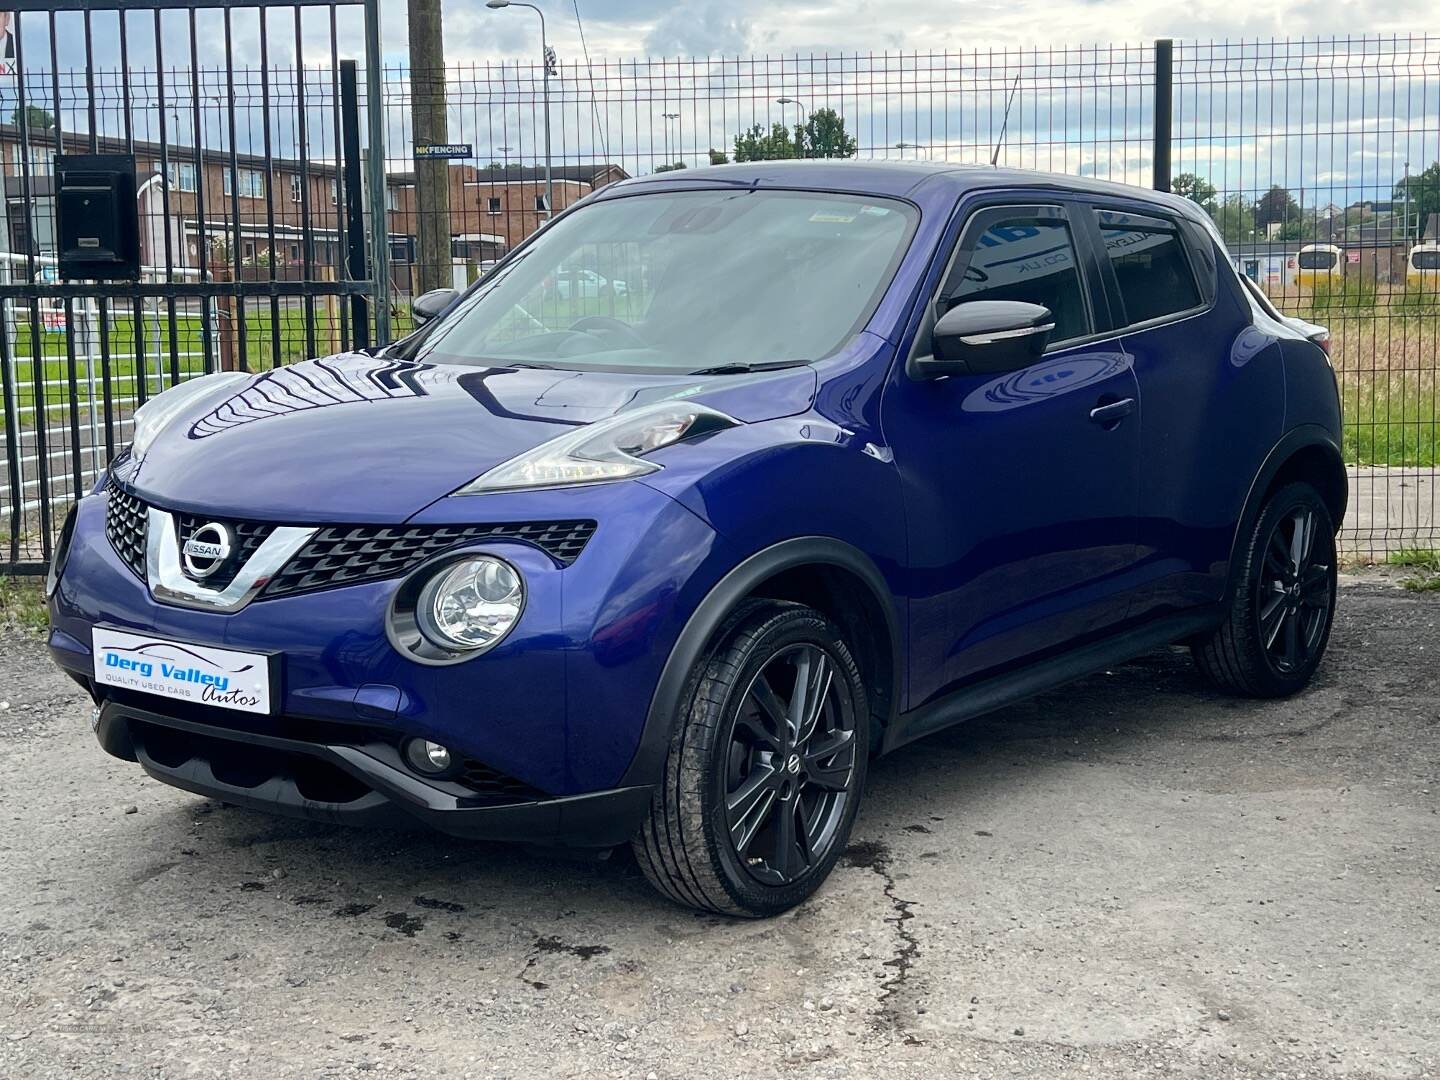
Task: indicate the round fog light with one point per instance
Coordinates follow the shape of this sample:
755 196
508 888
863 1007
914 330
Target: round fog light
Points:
427 757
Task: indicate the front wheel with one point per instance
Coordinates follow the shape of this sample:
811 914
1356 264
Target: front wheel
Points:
765 768
1283 602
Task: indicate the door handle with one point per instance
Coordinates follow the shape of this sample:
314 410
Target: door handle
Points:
1108 414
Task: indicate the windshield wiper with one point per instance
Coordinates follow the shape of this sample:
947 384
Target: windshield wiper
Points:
739 367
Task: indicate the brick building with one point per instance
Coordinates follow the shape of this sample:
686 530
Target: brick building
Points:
257 206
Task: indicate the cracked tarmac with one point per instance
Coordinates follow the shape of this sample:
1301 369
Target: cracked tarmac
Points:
1132 874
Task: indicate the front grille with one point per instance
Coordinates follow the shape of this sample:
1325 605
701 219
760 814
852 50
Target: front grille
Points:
338 554
350 554
125 518
249 535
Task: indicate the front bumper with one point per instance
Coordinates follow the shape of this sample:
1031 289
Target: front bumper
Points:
352 776
560 704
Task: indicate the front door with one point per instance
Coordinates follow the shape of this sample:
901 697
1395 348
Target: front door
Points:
1021 490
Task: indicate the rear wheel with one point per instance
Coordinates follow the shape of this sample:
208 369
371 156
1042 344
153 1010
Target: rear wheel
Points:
765 769
1284 600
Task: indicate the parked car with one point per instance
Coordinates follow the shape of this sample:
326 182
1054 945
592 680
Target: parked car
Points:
1422 267
892 446
1317 263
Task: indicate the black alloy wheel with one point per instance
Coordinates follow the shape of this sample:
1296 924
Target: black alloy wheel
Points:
1294 599
1281 603
789 766
765 768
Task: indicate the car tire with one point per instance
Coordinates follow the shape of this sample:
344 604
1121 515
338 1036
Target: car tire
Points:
759 792
1282 601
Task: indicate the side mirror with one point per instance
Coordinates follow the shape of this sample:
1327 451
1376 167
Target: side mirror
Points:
986 337
428 305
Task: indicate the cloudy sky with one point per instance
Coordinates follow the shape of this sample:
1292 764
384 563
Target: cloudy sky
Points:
1331 122
626 28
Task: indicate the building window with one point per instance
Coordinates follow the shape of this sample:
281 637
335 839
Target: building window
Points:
334 191
252 183
39 159
541 205
294 253
297 189
180 175
493 204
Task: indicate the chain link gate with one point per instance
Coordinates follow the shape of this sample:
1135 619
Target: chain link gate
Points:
244 126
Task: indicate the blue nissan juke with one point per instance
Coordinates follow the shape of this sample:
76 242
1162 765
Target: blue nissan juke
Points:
720 484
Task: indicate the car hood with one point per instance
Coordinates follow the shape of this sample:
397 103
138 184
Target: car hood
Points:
362 438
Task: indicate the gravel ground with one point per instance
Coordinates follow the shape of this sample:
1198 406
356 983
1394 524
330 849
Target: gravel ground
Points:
1130 875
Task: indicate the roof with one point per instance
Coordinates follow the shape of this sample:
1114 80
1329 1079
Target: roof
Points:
902 178
585 174
148 152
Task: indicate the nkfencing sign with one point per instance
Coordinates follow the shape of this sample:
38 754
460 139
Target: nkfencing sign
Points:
444 150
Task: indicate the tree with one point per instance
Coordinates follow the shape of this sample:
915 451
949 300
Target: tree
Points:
1423 189
676 167
35 118
719 157
1236 220
1197 189
759 145
1275 207
823 136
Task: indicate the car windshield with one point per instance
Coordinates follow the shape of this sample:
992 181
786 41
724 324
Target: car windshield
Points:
683 281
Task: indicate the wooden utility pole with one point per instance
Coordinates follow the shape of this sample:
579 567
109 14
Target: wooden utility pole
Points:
428 125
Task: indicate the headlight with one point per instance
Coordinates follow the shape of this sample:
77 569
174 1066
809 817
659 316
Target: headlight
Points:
606 450
152 417
471 605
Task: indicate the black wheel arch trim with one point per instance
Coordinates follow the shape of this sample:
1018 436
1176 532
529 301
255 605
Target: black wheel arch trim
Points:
710 614
1297 439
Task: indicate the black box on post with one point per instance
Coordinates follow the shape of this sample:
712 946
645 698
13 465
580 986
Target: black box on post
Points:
97 217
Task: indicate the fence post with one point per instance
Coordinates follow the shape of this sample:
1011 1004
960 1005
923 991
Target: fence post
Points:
1164 107
354 216
225 319
329 333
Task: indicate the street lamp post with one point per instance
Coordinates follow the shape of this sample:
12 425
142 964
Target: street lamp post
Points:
668 117
800 127
545 69
1405 216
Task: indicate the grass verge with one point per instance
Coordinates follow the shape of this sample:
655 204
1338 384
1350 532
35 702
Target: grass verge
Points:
1426 564
22 605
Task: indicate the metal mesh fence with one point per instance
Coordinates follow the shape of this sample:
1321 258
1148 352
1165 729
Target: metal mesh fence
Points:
1318 159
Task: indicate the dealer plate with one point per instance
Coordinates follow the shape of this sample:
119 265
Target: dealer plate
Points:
177 669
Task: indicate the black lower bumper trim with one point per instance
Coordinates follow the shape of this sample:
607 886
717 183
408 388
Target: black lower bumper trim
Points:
344 785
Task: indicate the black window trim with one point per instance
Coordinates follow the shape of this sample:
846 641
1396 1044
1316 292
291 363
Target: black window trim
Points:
1090 291
1112 284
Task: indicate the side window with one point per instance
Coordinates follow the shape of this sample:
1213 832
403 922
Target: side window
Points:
1151 267
1021 254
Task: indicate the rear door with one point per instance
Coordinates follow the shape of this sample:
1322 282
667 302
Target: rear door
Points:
1214 396
1021 506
